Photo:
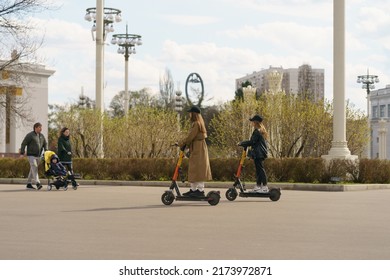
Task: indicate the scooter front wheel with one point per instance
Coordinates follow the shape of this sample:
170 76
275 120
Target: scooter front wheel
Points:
167 198
231 194
213 198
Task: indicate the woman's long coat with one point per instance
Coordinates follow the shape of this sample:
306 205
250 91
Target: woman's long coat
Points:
63 148
199 164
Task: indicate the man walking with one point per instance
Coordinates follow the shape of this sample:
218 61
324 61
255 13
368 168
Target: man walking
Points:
35 143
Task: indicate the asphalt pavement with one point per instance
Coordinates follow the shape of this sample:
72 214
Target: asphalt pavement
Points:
117 222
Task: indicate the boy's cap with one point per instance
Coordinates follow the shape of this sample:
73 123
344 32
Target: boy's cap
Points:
256 118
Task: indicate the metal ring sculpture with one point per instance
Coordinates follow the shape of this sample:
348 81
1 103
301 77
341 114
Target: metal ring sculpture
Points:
194 78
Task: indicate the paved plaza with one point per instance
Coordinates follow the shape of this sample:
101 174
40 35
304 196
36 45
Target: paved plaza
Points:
130 222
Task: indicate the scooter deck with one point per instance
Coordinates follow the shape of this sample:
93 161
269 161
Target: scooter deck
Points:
192 198
254 194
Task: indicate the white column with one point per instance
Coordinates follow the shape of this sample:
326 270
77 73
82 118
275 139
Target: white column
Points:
3 123
13 146
382 131
339 147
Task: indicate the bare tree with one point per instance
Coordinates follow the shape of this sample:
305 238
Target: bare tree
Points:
17 55
15 31
142 97
167 89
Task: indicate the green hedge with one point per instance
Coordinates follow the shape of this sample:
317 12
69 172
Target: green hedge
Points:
304 170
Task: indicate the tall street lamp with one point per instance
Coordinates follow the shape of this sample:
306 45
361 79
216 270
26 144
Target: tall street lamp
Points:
126 45
368 82
103 19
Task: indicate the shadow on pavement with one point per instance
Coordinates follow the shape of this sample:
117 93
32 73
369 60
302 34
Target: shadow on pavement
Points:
139 207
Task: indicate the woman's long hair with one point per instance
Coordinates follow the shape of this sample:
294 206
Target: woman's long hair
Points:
195 117
260 126
63 130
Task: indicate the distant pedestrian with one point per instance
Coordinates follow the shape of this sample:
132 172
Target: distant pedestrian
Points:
64 151
36 144
64 148
199 165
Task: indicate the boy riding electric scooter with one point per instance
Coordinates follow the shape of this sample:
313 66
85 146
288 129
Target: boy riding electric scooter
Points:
258 152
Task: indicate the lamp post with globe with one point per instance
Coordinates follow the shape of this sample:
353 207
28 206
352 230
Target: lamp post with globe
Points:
368 82
126 45
103 19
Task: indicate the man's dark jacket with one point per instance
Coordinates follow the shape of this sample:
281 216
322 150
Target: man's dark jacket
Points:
35 143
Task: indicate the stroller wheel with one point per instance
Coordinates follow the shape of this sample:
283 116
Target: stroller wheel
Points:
49 187
74 185
66 187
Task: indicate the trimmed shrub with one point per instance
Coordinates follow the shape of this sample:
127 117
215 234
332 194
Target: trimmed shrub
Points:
304 170
374 171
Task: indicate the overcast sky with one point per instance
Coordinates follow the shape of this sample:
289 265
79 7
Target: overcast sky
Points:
220 39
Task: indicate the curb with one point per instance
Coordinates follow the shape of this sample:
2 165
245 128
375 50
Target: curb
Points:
224 185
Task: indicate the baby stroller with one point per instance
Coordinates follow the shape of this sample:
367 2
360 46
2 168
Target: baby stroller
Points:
57 173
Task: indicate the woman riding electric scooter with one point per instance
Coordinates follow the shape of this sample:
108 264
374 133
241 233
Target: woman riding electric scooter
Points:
199 165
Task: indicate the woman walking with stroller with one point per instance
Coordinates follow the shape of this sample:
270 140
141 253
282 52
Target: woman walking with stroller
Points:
64 151
259 152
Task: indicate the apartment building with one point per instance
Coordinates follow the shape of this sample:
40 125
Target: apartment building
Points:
304 80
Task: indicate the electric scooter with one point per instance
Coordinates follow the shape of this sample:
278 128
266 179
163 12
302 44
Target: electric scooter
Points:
232 193
168 196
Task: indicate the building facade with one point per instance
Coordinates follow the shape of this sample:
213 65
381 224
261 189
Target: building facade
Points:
23 102
379 118
305 81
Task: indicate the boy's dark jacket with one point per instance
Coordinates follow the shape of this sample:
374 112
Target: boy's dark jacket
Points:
258 144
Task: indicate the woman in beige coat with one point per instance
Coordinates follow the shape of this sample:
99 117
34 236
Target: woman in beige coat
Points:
199 165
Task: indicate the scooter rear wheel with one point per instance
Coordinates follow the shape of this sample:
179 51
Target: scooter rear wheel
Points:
231 194
213 198
275 194
167 198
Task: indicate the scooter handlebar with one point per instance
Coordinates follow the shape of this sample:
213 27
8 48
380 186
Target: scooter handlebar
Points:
181 148
242 145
